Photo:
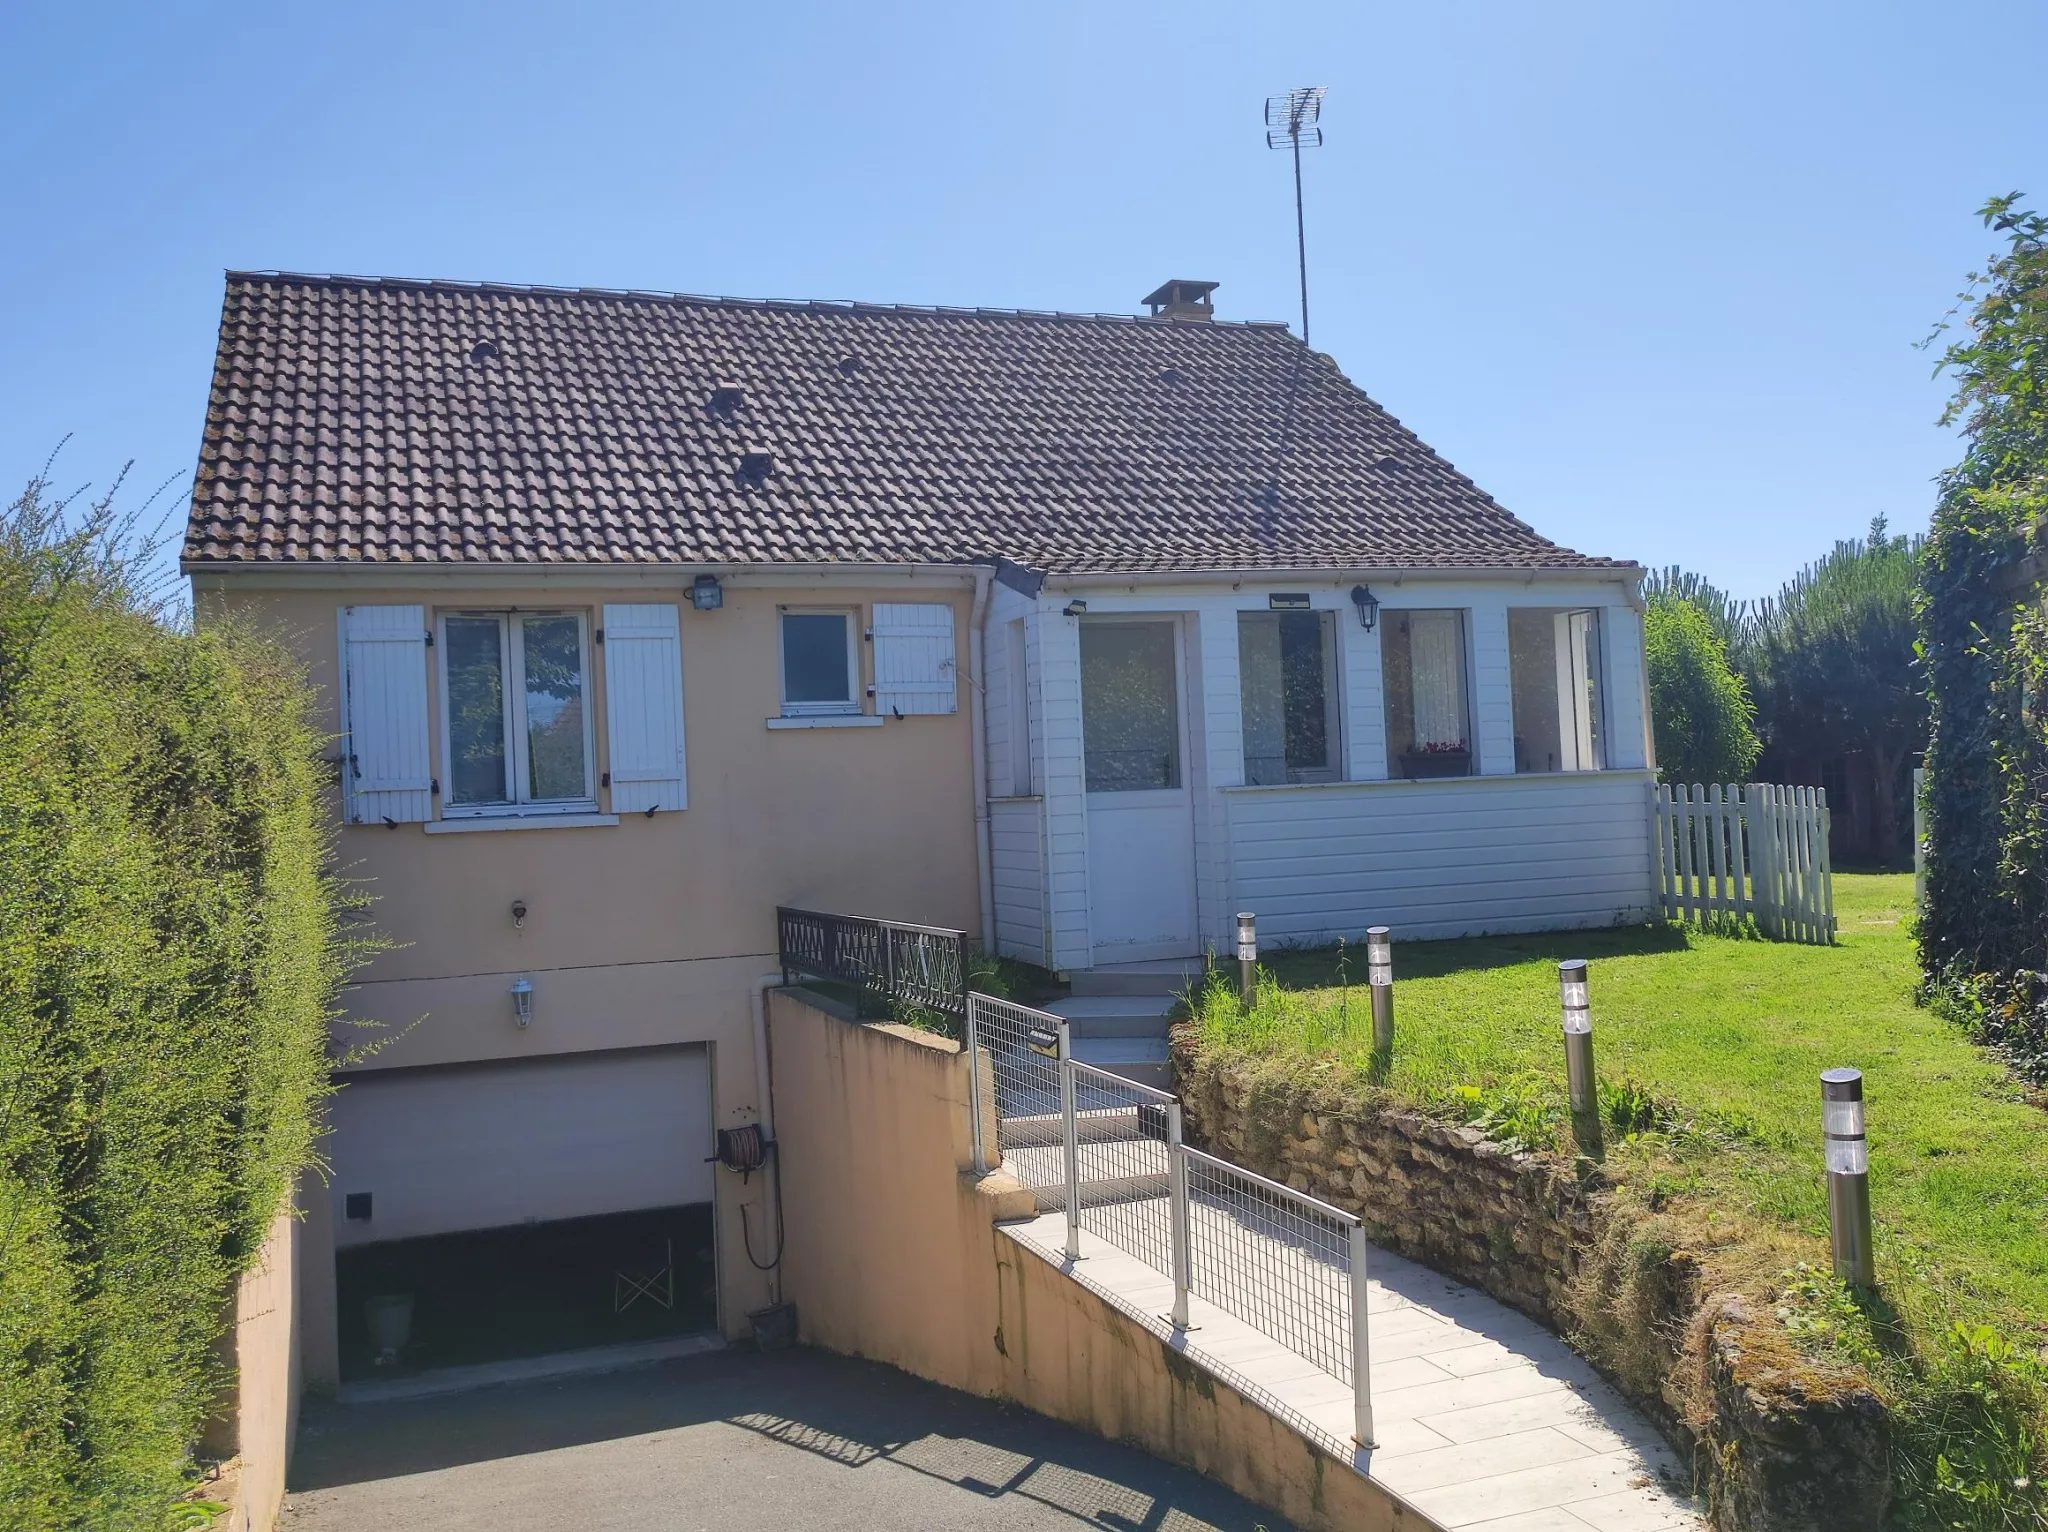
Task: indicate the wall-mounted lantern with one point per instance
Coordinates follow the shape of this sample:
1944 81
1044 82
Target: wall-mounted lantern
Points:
706 595
1368 606
522 1000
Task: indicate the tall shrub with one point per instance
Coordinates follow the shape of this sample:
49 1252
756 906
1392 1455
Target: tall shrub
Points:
168 963
1700 710
1985 643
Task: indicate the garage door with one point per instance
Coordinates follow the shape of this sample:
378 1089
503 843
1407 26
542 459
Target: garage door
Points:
439 1151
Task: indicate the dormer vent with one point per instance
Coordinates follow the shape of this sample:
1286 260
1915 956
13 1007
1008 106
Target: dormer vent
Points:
755 467
1182 299
726 400
849 366
483 351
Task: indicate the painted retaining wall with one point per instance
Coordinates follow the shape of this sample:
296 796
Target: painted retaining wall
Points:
258 1415
892 1254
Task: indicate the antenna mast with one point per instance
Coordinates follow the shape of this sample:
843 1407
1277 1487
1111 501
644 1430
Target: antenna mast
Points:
1291 119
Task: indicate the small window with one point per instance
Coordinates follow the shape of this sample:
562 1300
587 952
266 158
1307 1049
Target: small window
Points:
818 660
515 715
1422 655
1287 683
1020 710
1554 666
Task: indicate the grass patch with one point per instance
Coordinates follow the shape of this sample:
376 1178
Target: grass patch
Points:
1710 1047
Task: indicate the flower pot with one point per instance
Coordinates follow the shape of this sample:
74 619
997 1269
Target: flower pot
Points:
389 1316
1436 763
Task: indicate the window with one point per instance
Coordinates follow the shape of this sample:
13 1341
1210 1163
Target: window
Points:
1554 666
1130 706
1287 682
516 723
818 664
1422 656
1019 709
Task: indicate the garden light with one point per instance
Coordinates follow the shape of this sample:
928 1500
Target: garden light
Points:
1848 1161
1247 954
1580 1084
522 1000
1379 973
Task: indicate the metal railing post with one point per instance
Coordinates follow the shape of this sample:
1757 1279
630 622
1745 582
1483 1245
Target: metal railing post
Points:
973 1047
1361 1348
1070 1131
1177 1193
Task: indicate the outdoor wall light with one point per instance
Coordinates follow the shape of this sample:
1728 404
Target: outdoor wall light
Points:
706 595
1848 1161
518 914
1580 1084
522 1000
1075 609
1247 954
1368 606
1379 973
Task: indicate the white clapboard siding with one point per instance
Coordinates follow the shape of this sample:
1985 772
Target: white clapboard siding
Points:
1437 859
389 771
914 667
643 684
1756 853
1017 856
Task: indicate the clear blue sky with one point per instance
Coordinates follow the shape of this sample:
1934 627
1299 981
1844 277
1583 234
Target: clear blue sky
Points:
1650 273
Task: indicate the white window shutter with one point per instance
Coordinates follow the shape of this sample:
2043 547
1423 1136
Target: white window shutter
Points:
389 772
914 668
643 685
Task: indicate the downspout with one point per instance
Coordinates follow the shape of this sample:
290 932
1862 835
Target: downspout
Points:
765 1085
977 726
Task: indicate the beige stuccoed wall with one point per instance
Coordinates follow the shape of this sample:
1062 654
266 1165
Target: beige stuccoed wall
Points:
893 1254
654 930
257 1414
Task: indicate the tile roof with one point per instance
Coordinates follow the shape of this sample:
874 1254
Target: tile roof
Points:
437 422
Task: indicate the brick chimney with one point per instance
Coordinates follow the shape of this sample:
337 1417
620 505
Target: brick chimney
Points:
1182 299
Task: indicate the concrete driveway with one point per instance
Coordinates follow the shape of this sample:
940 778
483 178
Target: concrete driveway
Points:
730 1442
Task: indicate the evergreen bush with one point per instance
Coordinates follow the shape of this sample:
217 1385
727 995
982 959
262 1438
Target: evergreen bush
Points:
169 959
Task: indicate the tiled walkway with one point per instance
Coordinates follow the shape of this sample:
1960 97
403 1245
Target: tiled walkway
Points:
1486 1422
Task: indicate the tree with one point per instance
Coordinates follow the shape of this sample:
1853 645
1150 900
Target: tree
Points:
1833 667
1700 709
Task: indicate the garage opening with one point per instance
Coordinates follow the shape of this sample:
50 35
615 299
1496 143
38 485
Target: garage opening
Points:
491 1211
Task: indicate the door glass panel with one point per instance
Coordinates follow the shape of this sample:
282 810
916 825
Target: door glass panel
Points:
1130 709
814 659
476 710
554 708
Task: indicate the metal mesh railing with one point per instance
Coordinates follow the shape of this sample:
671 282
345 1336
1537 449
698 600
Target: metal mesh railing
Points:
1121 1131
1107 1152
1276 1259
886 961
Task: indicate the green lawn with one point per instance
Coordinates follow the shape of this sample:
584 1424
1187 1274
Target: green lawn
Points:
1727 1035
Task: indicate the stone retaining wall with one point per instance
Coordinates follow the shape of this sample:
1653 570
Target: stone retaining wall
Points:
1772 1452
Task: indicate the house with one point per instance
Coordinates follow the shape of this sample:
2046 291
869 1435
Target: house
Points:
638 615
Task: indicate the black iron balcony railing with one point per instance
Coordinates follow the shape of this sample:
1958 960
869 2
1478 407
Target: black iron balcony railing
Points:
889 963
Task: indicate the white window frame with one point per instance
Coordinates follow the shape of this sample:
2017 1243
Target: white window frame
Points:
1330 637
511 631
853 704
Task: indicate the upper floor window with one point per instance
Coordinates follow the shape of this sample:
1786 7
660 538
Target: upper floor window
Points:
1422 655
1554 668
820 666
516 724
1287 683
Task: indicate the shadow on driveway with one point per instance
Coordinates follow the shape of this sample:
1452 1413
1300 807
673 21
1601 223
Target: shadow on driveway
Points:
732 1441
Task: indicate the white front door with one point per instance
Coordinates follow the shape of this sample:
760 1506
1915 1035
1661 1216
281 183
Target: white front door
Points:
1141 817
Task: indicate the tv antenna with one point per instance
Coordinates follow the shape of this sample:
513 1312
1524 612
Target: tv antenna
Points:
1291 122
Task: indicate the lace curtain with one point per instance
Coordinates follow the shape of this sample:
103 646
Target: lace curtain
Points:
1437 679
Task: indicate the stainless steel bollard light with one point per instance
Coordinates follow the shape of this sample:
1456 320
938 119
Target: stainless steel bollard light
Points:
1247 955
1848 1159
1580 1083
1379 973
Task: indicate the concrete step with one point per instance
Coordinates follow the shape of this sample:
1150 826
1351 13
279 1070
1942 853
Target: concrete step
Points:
1143 1059
1116 1015
1172 977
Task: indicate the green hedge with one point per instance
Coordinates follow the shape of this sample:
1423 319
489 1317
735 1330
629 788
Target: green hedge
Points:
168 963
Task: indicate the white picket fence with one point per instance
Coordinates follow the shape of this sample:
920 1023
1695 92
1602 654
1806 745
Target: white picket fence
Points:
1755 852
